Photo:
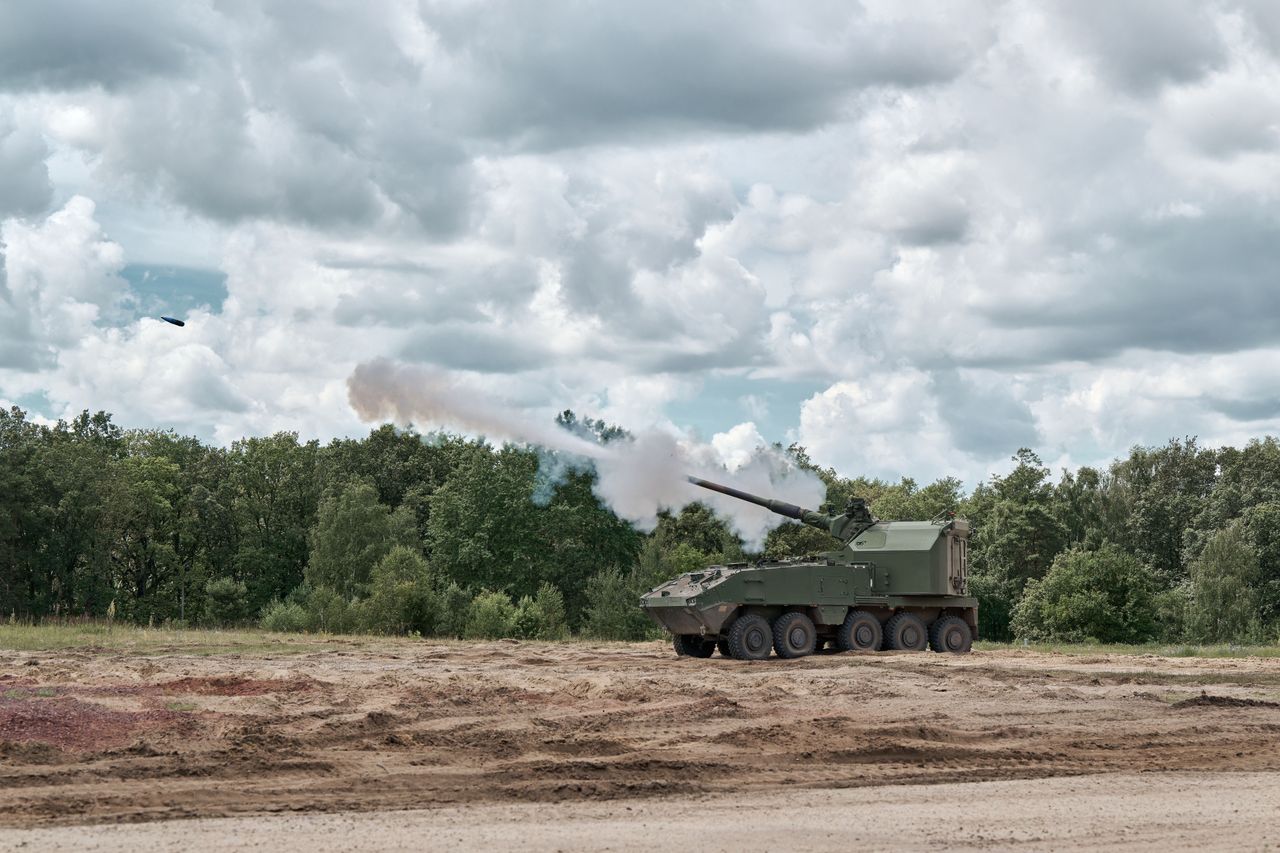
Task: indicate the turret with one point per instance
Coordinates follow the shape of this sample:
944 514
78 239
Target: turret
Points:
855 519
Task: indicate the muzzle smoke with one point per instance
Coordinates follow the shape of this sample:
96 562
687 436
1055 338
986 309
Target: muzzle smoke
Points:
636 478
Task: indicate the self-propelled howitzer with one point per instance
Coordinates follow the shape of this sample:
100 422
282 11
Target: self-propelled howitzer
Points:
894 585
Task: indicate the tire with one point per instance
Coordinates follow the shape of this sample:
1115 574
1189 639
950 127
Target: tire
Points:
794 635
860 632
750 638
950 634
691 645
722 645
904 632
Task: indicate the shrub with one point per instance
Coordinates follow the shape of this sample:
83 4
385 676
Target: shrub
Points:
1104 595
542 617
328 612
996 600
1171 613
490 616
401 598
686 558
225 601
284 617
453 607
613 608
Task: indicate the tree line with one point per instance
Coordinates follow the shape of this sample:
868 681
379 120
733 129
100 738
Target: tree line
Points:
441 535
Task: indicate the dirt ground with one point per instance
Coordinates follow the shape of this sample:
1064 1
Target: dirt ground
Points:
578 746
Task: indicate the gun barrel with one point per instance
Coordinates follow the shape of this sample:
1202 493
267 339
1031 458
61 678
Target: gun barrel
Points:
780 507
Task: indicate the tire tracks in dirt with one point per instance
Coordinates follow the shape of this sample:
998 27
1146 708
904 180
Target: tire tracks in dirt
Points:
422 725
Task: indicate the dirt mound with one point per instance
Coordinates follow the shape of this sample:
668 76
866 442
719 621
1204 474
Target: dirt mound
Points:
219 685
29 753
1204 700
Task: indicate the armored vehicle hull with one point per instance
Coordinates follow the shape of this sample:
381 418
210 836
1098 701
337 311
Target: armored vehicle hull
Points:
897 585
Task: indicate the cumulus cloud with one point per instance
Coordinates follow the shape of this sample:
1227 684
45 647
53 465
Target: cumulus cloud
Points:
60 279
912 239
885 425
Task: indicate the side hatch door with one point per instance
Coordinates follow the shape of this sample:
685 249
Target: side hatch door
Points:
832 585
864 579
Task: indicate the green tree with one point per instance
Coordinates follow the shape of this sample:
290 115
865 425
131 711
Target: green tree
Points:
484 527
138 514
492 615
454 609
1104 595
1262 524
1082 504
1016 534
1248 488
401 596
542 617
25 518
72 469
613 611
328 612
271 490
697 526
1159 491
487 531
1222 604
353 532
225 602
792 539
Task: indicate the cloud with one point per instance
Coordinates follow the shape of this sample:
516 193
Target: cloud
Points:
888 425
925 236
25 188
1142 44
61 44
738 445
564 74
60 279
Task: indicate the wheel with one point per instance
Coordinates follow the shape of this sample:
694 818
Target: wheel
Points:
793 635
904 632
860 632
750 638
950 634
691 645
722 645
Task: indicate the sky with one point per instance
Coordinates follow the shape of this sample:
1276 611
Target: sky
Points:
911 237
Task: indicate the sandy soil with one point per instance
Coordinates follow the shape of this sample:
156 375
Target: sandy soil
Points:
1150 812
544 741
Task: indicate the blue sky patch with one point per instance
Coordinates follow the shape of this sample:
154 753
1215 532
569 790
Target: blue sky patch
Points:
726 401
174 291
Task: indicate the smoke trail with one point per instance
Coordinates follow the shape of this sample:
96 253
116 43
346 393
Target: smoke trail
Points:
636 479
382 390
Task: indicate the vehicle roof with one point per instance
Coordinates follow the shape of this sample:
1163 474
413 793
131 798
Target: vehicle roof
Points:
899 536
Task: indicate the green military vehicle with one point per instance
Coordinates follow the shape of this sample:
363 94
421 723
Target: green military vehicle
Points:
896 585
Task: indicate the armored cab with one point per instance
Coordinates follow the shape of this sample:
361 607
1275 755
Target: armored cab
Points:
894 585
